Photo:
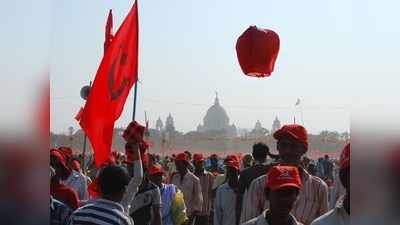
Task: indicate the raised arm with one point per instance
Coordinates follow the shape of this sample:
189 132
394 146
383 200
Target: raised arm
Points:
136 168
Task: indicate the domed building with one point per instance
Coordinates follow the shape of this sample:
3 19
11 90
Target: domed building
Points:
217 120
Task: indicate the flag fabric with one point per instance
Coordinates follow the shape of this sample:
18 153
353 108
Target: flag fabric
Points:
78 116
297 102
115 76
108 31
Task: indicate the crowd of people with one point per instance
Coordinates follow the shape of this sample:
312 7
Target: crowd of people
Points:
255 189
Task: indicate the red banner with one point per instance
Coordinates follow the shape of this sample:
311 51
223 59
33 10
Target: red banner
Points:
114 78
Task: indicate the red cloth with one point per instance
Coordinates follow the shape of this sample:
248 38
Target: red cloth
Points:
134 132
108 31
156 169
232 161
115 76
298 132
78 115
283 176
182 157
198 157
65 194
345 157
257 50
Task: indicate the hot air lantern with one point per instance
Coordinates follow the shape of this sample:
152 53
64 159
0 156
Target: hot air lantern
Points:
257 50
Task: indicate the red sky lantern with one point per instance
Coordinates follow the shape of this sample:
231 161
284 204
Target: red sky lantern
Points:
257 50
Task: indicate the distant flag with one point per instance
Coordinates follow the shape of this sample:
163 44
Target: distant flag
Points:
298 102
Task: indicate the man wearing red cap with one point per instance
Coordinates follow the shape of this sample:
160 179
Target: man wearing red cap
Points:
76 180
282 187
190 186
225 199
59 190
206 183
340 215
173 208
292 144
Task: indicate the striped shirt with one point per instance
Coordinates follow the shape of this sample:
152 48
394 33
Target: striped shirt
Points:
104 212
101 212
311 203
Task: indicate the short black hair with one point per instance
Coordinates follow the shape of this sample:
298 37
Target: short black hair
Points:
260 151
113 179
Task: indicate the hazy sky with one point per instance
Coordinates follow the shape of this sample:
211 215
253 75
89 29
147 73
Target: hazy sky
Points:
335 56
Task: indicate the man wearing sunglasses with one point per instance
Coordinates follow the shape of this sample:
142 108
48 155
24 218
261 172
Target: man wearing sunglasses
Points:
292 145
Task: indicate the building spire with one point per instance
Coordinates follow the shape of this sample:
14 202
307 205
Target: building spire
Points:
216 102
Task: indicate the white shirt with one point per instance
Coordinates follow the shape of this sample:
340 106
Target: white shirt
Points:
78 183
337 216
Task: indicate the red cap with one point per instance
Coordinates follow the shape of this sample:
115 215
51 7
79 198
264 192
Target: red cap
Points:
283 176
298 132
198 157
61 157
345 157
56 153
182 157
232 161
156 169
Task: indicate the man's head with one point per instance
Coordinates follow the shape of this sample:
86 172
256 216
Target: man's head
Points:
181 162
326 157
214 160
198 161
247 160
58 162
188 154
292 143
260 152
156 173
232 165
283 184
113 180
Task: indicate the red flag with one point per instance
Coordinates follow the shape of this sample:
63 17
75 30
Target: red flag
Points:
108 31
114 78
79 114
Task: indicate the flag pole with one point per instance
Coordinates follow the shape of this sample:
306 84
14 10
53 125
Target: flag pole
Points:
137 80
84 146
134 102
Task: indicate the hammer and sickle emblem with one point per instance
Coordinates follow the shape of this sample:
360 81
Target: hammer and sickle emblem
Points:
121 59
